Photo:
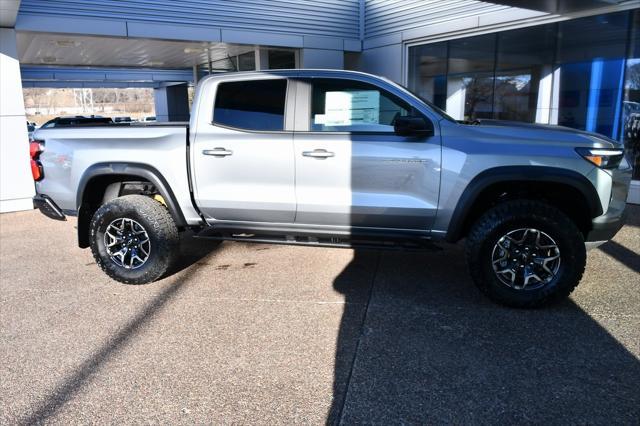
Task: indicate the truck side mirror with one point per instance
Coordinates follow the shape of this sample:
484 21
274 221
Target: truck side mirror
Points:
413 126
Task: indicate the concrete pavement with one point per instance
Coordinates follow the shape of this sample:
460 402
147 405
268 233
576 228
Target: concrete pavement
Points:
267 334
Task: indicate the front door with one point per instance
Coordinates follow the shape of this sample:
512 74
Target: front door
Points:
352 170
243 160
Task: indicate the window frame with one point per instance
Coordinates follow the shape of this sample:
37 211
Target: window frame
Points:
289 105
304 93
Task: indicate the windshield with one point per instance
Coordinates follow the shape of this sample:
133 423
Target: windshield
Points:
432 105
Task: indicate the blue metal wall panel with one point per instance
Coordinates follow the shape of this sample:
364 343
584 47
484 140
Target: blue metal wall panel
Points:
45 74
336 18
383 17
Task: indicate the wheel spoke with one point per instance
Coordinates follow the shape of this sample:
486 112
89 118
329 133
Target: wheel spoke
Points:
542 246
114 239
114 226
111 235
523 239
121 254
510 272
528 276
545 263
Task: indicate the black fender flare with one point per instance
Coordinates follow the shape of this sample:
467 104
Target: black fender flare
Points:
135 170
495 175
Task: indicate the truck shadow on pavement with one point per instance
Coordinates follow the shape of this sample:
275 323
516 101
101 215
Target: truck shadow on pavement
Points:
426 347
622 254
191 251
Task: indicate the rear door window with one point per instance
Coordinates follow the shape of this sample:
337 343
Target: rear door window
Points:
251 105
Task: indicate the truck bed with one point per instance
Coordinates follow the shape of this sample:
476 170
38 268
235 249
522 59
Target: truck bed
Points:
72 153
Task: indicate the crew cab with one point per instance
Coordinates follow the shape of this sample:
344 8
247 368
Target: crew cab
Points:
337 159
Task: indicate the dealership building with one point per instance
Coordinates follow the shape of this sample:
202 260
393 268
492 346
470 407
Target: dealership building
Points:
574 63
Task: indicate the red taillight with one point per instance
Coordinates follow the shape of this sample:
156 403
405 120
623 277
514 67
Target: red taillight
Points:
36 170
35 149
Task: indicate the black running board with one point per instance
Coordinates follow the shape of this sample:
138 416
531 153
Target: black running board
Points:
417 244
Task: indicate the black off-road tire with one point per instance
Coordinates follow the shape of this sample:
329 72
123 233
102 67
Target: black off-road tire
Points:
512 215
161 230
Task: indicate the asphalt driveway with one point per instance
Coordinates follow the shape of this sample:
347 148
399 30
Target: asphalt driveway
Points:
266 334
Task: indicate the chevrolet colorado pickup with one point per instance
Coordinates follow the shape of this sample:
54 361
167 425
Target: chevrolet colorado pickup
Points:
337 159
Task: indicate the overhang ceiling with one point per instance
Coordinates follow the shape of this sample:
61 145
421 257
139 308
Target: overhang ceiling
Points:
72 50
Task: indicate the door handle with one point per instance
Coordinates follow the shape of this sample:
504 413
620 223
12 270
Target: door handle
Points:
217 152
318 153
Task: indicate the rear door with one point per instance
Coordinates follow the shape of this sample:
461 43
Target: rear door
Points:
243 158
352 170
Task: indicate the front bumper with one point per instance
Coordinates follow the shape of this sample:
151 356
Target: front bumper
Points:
48 207
606 226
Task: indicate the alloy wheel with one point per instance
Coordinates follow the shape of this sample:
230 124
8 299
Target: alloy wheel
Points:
127 243
526 259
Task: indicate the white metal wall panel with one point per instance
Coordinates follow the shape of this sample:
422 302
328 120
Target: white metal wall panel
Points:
335 18
384 17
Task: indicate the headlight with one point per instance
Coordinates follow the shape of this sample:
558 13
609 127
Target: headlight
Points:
605 158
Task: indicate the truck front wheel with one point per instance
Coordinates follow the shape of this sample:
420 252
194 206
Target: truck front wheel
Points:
134 239
525 254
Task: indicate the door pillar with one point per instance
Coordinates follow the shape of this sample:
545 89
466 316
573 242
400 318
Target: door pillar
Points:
172 102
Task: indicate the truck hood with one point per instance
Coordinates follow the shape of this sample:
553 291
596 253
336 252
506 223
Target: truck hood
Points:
543 132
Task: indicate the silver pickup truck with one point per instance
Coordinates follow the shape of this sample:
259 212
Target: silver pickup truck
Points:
337 159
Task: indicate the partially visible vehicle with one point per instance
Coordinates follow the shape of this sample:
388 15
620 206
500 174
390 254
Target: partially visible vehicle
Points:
31 127
150 118
78 120
123 120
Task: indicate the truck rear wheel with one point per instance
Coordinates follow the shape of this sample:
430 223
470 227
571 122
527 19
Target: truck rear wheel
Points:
134 239
525 254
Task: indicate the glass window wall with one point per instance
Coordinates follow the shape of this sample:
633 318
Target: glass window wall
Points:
281 59
470 77
591 56
631 105
429 76
523 62
582 73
